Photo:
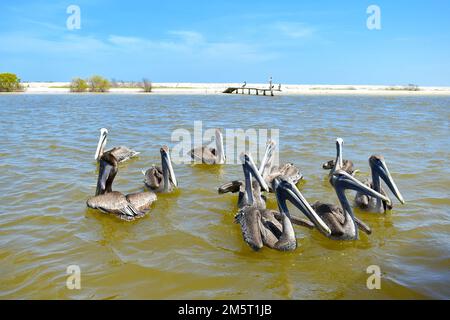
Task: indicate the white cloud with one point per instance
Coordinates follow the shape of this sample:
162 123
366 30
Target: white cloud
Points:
294 30
189 37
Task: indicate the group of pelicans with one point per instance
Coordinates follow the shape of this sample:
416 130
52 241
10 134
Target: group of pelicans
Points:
260 226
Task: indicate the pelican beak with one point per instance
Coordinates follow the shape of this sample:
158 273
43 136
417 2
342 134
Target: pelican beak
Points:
101 143
248 162
103 175
219 146
383 171
266 161
167 164
286 190
342 179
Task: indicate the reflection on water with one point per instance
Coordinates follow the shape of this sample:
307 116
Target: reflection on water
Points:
189 246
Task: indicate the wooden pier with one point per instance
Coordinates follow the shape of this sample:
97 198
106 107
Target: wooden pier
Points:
253 90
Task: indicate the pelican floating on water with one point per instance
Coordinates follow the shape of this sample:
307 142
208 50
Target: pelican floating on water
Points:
210 155
161 179
379 171
261 226
121 153
341 220
251 214
126 207
339 163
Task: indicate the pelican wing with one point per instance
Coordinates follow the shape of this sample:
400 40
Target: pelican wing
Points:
347 166
141 201
332 215
271 220
123 153
269 239
290 171
249 220
115 203
232 186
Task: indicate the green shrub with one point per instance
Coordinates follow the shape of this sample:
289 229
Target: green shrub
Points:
98 84
146 85
412 87
78 85
9 82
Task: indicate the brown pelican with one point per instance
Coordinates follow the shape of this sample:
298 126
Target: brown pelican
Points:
379 170
127 207
267 170
339 163
342 221
210 155
121 153
273 229
161 179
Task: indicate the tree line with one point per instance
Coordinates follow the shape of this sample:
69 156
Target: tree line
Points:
10 82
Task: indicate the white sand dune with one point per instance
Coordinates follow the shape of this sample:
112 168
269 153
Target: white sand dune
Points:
218 88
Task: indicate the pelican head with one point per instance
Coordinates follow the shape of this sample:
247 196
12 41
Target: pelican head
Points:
101 143
341 181
328 165
106 174
168 173
248 196
285 189
380 169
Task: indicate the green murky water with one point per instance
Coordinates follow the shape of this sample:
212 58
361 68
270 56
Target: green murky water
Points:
188 246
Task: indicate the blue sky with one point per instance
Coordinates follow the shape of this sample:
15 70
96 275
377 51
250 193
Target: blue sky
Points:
305 42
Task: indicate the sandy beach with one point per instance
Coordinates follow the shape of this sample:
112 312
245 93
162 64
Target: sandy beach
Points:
218 88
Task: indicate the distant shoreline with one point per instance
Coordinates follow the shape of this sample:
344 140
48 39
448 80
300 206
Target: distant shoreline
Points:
217 88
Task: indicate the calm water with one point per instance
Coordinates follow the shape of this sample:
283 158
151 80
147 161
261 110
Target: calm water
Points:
188 246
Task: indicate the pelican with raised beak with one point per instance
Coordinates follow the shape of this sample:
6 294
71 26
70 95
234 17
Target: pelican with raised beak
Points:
161 179
379 172
341 220
208 155
126 207
121 153
261 226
